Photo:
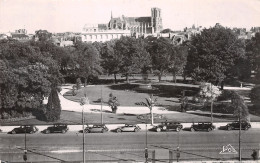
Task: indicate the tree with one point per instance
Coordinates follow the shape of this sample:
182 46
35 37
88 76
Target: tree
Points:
255 95
26 76
178 60
88 61
160 51
240 108
253 54
150 103
135 58
111 61
113 102
209 93
212 53
42 35
167 30
53 109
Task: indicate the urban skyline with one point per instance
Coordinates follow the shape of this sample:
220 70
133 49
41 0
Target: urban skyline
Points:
71 16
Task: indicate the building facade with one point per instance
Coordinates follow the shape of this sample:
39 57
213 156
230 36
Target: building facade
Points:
91 33
138 25
123 26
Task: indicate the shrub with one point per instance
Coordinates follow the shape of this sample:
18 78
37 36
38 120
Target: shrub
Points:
53 107
74 93
113 102
78 83
225 95
255 95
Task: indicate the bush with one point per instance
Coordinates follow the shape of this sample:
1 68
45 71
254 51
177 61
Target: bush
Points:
113 102
78 83
225 95
74 92
255 95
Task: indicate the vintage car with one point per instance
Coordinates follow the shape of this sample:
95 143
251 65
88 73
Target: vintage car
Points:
208 126
56 128
235 125
168 126
24 129
96 128
129 128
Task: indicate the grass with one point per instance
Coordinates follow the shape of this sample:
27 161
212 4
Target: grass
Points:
130 94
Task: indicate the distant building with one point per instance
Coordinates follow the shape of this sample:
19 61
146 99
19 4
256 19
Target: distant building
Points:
92 33
3 36
255 29
123 26
64 39
20 35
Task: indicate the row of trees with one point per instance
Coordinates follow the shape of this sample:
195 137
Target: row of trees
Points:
30 70
212 56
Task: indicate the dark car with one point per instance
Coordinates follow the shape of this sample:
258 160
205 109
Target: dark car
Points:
57 128
24 129
235 125
167 126
208 126
96 128
129 128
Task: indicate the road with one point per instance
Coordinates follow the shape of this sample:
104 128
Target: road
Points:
127 146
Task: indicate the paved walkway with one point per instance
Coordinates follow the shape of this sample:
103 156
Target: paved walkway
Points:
75 106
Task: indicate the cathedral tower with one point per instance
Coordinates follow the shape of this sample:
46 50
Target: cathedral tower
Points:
156 20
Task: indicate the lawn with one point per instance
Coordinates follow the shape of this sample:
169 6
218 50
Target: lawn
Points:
130 94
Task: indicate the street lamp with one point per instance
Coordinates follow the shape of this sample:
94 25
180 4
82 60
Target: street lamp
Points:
83 101
101 105
146 148
25 147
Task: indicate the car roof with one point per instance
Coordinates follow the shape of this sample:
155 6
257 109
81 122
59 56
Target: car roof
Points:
98 124
203 122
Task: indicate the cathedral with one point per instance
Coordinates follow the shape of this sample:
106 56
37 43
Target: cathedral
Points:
123 26
138 25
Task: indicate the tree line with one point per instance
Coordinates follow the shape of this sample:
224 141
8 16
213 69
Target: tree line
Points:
33 70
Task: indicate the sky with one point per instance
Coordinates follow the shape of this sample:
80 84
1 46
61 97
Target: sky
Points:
71 15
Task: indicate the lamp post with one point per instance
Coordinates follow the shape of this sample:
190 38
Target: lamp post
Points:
25 147
83 101
146 148
152 102
101 105
239 137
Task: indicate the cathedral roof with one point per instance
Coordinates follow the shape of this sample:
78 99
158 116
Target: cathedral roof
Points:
131 20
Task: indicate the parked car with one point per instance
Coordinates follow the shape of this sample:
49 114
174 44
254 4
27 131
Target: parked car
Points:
208 126
129 128
235 125
24 129
167 126
56 128
96 128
